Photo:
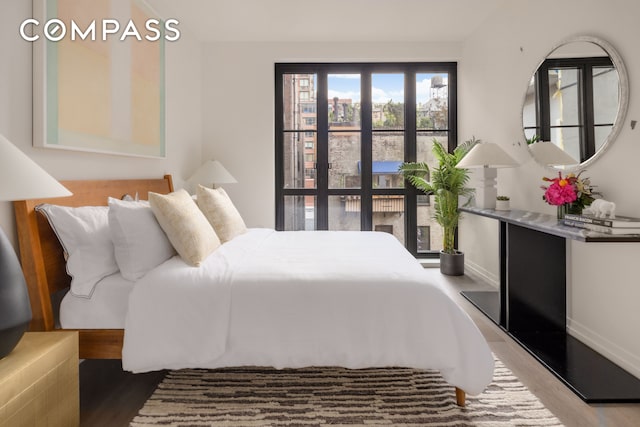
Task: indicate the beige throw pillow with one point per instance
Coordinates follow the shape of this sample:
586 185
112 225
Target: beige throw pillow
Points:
221 213
185 225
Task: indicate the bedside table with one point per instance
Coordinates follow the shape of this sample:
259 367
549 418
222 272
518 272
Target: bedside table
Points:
39 381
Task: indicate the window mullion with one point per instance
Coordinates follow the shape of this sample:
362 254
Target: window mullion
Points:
410 116
322 167
587 105
366 123
410 155
279 148
453 108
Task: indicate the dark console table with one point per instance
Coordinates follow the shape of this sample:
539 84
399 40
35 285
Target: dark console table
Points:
530 304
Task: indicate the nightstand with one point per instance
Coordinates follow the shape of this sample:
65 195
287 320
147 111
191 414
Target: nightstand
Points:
39 381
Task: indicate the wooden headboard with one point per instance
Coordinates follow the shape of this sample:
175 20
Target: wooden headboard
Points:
40 251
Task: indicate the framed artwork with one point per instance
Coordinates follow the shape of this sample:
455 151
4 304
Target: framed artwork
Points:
95 90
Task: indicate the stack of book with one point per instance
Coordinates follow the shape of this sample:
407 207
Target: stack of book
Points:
617 225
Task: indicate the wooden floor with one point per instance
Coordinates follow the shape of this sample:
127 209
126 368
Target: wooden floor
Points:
564 404
111 398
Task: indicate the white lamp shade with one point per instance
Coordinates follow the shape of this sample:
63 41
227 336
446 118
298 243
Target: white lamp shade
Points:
549 154
487 154
22 179
212 173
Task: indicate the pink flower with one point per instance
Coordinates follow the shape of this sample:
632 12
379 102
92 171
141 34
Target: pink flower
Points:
572 189
560 191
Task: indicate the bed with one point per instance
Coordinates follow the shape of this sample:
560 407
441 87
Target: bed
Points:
266 298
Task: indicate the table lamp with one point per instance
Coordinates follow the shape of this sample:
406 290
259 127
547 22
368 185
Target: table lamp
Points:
488 156
549 154
20 179
212 174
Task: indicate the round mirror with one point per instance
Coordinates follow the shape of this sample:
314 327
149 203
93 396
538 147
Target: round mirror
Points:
576 103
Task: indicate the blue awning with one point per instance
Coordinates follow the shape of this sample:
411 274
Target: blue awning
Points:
383 167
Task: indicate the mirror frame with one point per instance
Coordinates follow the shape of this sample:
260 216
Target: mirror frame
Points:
623 97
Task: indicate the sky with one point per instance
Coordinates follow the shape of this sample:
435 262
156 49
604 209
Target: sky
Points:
385 87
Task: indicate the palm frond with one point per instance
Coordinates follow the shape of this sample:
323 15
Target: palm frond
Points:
418 175
462 149
414 169
420 183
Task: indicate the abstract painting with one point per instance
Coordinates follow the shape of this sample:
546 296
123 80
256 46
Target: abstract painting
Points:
100 87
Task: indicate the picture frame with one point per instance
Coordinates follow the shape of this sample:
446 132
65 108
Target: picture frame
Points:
100 93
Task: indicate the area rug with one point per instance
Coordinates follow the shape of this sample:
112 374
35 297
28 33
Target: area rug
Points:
335 396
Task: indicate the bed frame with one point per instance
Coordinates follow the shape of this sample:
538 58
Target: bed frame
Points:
43 262
44 265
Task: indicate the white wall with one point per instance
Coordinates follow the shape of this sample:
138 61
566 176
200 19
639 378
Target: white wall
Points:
15 90
239 106
496 65
183 115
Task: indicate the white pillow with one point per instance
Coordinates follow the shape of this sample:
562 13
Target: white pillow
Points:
221 212
139 242
185 225
84 235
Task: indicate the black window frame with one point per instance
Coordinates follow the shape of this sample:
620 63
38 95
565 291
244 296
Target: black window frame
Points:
587 125
410 130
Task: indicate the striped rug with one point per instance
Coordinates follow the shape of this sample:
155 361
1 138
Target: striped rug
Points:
335 396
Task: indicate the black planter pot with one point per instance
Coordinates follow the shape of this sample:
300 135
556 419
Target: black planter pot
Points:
15 309
452 264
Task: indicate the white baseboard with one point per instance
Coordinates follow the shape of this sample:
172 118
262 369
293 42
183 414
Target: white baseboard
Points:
482 273
610 350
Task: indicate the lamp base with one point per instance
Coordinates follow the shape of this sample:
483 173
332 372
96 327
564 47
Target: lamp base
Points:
15 308
486 192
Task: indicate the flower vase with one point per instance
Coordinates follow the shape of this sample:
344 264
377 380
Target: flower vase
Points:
574 208
562 210
568 208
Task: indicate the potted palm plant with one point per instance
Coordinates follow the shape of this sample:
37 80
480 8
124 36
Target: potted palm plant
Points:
447 183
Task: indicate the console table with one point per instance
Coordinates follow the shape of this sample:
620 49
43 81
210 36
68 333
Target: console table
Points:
530 304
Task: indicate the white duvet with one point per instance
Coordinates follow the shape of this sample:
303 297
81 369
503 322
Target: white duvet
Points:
296 299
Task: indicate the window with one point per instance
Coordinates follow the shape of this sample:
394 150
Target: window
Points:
304 82
308 108
304 95
368 119
385 228
563 111
424 238
310 173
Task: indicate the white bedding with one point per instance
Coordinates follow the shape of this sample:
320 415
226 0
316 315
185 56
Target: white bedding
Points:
295 299
106 309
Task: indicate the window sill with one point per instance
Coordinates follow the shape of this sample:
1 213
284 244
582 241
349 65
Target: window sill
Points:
429 262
